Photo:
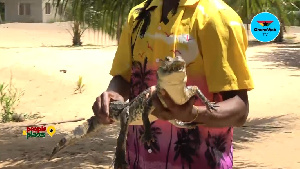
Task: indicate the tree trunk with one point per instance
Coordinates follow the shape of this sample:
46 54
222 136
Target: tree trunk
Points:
167 158
0 19
76 34
279 38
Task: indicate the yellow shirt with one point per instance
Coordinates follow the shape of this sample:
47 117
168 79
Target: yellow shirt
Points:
208 34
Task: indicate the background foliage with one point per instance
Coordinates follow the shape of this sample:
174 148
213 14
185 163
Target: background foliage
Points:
108 16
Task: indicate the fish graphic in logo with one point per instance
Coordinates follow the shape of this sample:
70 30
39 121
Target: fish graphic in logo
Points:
265 23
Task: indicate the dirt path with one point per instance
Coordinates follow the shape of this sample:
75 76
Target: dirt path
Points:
269 140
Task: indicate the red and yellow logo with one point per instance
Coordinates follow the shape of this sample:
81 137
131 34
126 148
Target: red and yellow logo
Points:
265 23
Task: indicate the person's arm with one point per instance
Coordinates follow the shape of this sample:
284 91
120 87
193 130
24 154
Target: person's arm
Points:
121 66
118 88
225 66
232 111
119 85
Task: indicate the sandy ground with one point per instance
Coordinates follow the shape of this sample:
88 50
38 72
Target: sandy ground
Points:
35 54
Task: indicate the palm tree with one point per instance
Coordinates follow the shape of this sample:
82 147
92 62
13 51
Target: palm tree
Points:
154 131
215 148
101 15
247 9
76 12
144 18
169 146
109 16
2 11
280 8
140 77
187 144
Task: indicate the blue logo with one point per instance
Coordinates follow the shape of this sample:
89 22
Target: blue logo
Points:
265 27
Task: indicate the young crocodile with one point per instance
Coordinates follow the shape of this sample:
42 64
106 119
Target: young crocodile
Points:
171 76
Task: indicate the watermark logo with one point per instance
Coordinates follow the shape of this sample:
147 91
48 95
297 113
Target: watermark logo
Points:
265 27
39 131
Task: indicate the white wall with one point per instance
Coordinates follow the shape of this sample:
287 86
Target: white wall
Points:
49 17
12 11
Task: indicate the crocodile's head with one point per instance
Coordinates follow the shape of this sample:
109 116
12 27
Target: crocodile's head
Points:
172 65
171 76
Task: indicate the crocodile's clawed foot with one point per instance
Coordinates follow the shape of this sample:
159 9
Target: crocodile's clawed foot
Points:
147 138
211 106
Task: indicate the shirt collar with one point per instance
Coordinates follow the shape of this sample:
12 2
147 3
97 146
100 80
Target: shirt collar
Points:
181 3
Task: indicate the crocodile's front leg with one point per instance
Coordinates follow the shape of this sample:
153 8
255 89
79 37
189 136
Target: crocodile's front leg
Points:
209 105
147 136
120 155
194 90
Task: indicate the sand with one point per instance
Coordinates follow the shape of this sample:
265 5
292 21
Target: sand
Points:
35 54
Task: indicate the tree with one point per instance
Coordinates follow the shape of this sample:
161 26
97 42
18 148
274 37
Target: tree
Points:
155 131
140 77
280 8
109 16
247 9
2 10
216 146
187 144
101 15
75 11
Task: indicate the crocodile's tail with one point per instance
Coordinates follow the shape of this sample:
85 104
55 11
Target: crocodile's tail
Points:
90 126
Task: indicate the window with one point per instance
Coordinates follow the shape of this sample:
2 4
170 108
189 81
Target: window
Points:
24 9
48 9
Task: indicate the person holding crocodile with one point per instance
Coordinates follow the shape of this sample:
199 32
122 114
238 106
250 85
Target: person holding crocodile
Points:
212 40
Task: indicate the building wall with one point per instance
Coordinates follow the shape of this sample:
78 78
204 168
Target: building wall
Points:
12 11
37 10
49 17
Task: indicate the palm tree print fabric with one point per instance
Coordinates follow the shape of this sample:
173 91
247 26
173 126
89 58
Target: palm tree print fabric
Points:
201 41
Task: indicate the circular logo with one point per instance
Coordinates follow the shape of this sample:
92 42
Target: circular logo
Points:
265 27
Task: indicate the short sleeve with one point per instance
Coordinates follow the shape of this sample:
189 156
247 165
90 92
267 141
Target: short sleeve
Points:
223 44
122 61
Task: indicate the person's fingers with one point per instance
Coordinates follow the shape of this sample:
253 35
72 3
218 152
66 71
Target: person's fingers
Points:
167 99
115 96
156 102
192 101
160 111
94 107
162 115
105 104
97 106
152 90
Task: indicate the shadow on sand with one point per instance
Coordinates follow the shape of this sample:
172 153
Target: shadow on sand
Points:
284 55
253 128
95 151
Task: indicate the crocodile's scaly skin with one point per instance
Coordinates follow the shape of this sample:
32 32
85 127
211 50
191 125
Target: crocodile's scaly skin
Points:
171 76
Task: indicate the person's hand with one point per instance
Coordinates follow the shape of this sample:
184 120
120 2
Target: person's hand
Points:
173 111
101 106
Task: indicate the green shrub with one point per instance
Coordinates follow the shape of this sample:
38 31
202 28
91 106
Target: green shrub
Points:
9 99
